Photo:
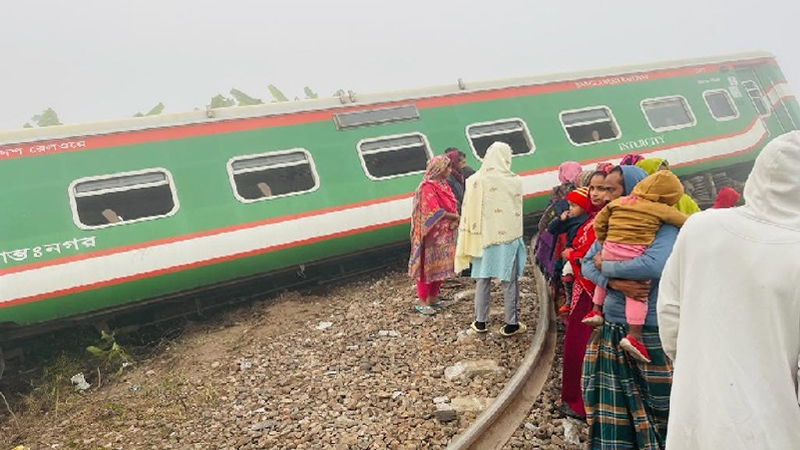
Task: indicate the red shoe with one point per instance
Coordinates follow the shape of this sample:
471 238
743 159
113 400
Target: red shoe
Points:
635 348
564 310
593 319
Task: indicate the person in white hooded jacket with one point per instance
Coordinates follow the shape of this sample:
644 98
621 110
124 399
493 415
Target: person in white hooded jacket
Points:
729 315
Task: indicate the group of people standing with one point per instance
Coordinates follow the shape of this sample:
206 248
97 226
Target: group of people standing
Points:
671 317
615 374
637 270
463 221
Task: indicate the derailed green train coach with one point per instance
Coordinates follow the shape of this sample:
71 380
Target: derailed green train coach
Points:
103 216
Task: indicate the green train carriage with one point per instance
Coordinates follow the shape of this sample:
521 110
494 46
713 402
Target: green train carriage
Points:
109 215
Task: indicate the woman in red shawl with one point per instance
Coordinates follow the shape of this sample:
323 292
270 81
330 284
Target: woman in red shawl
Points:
577 333
433 223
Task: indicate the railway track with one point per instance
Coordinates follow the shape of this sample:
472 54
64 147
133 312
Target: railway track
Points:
495 426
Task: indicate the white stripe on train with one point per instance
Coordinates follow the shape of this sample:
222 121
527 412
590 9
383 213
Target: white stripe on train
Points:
777 92
171 256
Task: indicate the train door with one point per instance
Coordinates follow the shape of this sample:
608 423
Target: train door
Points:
754 88
787 120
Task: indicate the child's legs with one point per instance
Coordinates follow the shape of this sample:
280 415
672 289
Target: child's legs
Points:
635 311
614 251
599 295
635 314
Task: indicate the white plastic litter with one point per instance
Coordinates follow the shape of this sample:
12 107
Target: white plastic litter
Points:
80 382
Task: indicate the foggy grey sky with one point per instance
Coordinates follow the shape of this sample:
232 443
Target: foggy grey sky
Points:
101 59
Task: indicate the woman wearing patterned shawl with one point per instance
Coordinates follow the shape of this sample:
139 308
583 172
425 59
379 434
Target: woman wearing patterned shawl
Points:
652 165
490 236
433 223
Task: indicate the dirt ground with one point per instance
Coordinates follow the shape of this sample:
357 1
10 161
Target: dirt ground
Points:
349 367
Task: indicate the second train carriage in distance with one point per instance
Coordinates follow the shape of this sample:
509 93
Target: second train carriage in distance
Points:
106 215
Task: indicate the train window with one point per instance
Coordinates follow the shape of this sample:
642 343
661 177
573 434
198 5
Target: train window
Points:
668 113
590 125
379 116
757 97
392 156
720 105
513 132
122 198
271 175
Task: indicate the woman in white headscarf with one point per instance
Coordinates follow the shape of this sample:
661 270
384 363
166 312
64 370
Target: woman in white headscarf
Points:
490 236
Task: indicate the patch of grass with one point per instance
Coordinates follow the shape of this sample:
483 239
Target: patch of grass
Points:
40 381
53 384
117 409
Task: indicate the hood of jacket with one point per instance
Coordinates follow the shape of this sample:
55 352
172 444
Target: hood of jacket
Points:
772 191
662 187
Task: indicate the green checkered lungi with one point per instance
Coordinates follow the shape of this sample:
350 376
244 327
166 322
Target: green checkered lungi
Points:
627 401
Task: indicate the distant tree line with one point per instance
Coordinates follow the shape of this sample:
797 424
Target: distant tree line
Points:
49 117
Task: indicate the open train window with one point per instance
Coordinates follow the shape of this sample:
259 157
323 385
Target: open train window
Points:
668 113
393 156
122 198
513 132
272 175
590 125
720 105
757 97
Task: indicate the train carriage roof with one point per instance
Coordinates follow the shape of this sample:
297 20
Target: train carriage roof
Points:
345 101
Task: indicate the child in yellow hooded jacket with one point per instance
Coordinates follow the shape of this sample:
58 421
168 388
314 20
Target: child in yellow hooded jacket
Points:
652 165
625 227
